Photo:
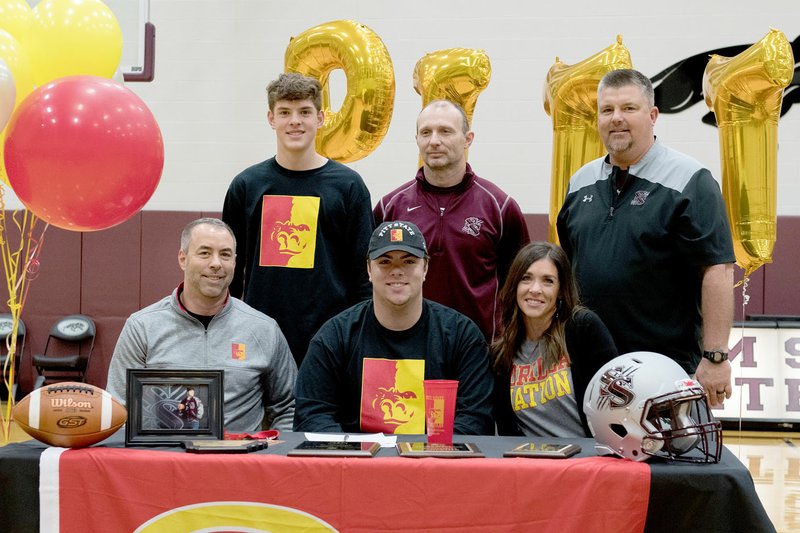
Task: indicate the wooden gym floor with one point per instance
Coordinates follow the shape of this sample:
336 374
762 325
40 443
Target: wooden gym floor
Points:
773 459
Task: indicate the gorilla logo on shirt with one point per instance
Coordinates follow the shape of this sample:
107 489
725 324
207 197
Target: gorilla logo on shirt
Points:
392 397
292 239
289 231
392 403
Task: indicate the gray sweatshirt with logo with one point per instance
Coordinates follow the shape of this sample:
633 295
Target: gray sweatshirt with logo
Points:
259 370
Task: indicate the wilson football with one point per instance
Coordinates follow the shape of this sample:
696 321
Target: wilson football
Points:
70 415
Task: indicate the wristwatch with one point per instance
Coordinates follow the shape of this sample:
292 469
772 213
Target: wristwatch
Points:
716 356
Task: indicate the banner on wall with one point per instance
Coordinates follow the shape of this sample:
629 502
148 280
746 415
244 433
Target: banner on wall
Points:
765 364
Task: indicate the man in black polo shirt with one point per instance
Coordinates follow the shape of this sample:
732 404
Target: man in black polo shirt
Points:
646 231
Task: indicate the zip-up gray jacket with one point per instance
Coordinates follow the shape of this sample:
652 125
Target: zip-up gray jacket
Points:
248 345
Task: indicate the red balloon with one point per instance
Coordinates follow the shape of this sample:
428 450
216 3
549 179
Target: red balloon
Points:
83 153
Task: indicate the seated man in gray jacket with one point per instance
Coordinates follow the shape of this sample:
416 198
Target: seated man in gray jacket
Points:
200 326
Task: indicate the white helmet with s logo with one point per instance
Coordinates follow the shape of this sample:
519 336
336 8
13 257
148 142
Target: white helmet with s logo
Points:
643 404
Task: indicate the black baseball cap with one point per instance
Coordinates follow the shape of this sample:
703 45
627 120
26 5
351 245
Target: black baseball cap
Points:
397 235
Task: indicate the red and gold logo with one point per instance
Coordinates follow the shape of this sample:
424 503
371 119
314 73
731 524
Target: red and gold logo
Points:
238 351
392 399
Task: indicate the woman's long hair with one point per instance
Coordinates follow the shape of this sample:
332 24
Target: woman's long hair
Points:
513 320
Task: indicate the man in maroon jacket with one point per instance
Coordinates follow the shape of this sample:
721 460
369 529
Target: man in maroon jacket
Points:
472 227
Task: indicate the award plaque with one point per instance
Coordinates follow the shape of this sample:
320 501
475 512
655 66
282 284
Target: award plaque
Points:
224 446
335 449
424 449
546 450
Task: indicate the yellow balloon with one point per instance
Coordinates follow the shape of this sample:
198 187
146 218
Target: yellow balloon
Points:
570 98
72 37
15 18
455 74
745 93
360 125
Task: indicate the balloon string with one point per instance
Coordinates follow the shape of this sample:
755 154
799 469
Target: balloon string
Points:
5 414
8 376
745 297
21 266
31 270
745 300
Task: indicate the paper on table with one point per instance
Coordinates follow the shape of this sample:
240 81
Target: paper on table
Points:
386 441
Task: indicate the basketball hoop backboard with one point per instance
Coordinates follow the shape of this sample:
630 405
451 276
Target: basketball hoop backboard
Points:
138 38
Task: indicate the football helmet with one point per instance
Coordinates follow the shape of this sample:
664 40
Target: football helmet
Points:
643 404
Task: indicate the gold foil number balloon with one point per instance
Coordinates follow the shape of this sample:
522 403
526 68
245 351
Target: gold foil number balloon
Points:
360 125
745 93
570 99
455 74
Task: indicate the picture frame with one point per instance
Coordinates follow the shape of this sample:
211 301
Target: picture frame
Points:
169 406
316 448
425 449
545 450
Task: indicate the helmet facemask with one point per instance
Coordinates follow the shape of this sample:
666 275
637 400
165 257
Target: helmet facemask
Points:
680 427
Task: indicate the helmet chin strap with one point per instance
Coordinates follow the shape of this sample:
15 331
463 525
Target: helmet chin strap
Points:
652 446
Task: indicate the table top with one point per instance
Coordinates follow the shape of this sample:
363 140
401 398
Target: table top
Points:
695 497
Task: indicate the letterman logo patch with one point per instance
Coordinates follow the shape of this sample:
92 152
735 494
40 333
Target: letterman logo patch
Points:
472 226
639 198
238 351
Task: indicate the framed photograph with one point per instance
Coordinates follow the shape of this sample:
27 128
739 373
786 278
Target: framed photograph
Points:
169 406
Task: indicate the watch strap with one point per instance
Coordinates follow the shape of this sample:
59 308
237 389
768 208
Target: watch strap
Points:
715 356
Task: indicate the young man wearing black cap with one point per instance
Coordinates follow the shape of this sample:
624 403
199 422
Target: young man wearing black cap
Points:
364 369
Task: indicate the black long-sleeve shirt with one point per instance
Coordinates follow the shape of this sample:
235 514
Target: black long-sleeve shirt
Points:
330 393
301 244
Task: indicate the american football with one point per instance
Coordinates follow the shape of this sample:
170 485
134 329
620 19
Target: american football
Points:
70 415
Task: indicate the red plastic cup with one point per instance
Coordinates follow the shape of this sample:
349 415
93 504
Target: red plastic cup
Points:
440 409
